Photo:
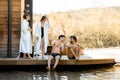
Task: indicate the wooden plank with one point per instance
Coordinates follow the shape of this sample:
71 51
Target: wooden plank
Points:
3 3
4 49
1 46
4 13
3 20
15 43
3 10
3 16
3 27
16 29
4 23
4 32
16 5
16 1
3 6
15 8
16 22
16 17
13 61
3 43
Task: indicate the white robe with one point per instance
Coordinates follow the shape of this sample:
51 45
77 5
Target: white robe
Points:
25 39
38 34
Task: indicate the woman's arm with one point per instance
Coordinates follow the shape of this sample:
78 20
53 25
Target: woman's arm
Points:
24 26
47 24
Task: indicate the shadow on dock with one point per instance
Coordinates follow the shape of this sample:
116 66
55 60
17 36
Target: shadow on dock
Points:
59 68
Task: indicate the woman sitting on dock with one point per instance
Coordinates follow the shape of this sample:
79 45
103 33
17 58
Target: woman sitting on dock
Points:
57 46
74 48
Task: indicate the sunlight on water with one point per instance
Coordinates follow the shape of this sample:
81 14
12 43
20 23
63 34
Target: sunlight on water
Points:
37 77
104 53
50 76
64 78
92 74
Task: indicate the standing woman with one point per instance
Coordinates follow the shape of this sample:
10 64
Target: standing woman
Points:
41 35
26 40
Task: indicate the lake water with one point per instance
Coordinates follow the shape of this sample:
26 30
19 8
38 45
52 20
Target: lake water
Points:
99 73
106 73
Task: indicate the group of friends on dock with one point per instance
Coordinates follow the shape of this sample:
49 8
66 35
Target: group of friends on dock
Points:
72 49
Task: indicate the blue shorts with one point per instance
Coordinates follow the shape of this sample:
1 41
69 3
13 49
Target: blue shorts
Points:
55 54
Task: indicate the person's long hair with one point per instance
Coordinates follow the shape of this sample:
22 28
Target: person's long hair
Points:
25 16
43 18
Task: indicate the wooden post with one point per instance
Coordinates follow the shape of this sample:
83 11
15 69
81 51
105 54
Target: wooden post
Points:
28 9
9 28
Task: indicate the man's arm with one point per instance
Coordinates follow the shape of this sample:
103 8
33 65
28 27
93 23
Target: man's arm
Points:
53 44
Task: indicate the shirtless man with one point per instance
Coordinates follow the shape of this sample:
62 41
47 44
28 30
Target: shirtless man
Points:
57 46
73 48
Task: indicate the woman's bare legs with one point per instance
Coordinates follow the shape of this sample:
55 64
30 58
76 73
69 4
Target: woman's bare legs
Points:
24 56
42 46
29 56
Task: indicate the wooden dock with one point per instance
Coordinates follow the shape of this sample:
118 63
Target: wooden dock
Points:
64 61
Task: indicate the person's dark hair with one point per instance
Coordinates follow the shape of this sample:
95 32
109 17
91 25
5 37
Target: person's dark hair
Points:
43 18
74 37
61 36
25 16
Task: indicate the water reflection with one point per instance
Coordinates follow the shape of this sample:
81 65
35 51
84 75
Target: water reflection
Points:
92 74
37 77
50 76
107 73
64 78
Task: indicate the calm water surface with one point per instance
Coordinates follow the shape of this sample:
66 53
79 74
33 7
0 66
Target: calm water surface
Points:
106 73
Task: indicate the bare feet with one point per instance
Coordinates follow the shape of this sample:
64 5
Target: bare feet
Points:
18 57
29 57
53 68
48 68
77 58
24 57
43 57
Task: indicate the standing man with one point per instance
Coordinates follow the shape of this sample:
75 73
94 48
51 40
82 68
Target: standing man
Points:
57 47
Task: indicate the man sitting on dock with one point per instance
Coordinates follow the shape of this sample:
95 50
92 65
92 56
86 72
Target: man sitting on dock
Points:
74 48
57 46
